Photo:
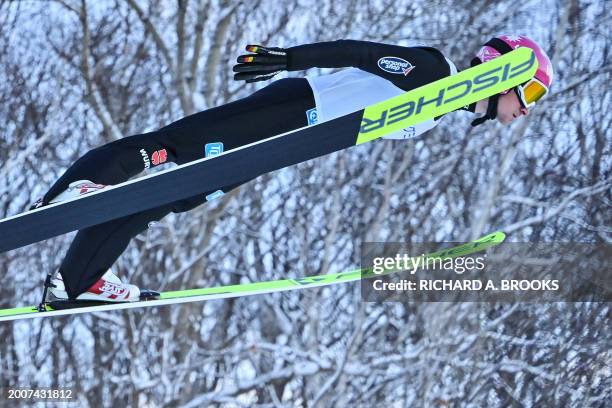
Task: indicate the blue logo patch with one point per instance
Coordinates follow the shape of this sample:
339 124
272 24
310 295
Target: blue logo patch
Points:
395 65
213 149
313 116
214 195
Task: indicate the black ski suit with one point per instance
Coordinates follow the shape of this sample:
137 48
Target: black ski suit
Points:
95 249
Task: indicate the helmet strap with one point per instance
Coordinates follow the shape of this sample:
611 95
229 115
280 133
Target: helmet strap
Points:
495 43
501 46
491 111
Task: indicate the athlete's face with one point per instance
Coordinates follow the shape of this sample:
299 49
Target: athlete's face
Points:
509 108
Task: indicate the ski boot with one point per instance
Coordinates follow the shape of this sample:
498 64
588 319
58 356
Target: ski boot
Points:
107 290
75 189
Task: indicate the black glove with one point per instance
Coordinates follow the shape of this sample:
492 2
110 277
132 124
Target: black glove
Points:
263 64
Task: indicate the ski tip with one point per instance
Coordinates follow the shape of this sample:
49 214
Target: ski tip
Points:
497 236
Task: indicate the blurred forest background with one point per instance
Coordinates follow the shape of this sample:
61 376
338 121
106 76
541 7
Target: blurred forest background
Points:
75 74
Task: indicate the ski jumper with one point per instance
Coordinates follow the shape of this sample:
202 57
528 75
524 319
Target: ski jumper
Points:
378 72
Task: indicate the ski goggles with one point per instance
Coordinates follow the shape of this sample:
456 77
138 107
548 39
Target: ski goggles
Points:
531 92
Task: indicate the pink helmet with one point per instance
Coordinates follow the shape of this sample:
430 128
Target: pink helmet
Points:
506 43
529 92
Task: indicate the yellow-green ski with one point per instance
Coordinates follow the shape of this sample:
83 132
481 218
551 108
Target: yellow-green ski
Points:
248 289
